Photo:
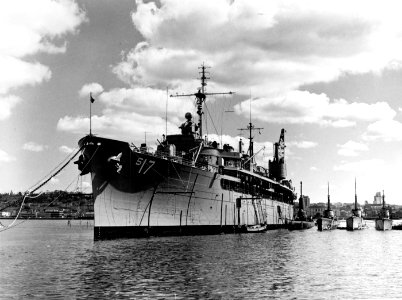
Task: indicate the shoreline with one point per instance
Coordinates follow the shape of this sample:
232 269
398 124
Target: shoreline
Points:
12 218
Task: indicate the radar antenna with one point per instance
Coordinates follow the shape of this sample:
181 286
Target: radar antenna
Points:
201 95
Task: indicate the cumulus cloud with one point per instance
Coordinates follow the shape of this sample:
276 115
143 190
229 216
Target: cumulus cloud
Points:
146 101
133 111
268 47
352 148
119 125
304 144
361 167
54 180
94 88
7 103
66 149
5 157
34 147
385 130
16 72
265 46
27 28
301 107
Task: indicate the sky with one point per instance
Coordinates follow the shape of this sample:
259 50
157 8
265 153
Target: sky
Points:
328 72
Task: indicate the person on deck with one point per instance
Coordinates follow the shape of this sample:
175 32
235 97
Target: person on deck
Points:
187 127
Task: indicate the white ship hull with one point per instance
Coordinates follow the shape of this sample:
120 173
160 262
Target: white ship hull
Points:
383 224
355 223
327 224
192 209
156 196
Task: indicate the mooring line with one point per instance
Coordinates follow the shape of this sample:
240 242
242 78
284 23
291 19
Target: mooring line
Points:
28 193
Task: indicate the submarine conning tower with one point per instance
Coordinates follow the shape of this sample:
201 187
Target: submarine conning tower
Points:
277 167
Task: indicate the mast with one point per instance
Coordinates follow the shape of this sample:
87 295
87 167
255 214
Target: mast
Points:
91 100
355 196
329 204
301 202
383 199
250 128
201 96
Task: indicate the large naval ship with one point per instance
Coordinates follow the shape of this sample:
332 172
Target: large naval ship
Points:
188 186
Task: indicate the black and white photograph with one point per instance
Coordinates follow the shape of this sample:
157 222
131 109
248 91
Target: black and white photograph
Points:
200 149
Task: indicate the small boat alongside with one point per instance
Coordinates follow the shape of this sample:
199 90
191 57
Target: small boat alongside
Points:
256 228
301 221
260 221
383 222
328 221
356 221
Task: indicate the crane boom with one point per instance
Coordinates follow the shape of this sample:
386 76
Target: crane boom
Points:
277 167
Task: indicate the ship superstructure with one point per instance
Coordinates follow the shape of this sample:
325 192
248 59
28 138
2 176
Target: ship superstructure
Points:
188 186
383 221
328 220
301 221
356 221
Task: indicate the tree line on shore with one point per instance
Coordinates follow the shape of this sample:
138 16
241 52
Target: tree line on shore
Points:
51 204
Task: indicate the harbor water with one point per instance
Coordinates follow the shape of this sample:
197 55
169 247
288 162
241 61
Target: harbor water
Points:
41 259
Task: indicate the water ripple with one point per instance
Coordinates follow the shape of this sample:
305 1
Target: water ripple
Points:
49 260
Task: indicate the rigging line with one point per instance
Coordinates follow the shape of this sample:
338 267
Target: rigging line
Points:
161 175
177 172
54 174
167 98
222 117
31 192
168 177
65 165
36 196
189 177
19 211
56 167
213 124
17 224
60 192
77 184
46 181
9 227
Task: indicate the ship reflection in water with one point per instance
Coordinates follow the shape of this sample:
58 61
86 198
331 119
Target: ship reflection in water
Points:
42 260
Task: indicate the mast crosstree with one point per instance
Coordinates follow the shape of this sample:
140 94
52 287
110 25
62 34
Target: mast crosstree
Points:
250 128
201 95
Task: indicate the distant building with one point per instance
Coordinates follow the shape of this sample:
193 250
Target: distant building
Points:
372 210
316 209
50 213
377 198
6 214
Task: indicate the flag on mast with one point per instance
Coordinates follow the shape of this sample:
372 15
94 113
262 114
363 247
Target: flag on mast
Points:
90 98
